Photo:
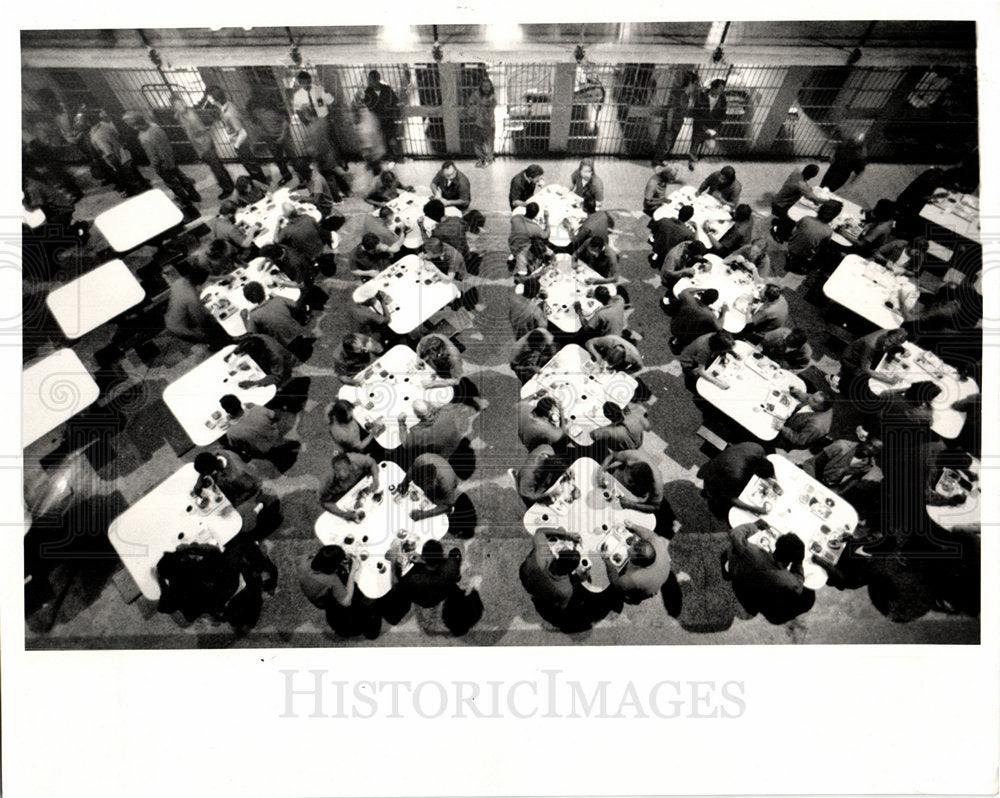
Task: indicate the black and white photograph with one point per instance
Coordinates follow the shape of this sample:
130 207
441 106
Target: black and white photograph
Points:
424 336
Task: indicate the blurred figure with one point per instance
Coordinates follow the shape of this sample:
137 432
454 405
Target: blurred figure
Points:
585 182
271 122
201 140
480 110
161 157
381 100
239 136
847 164
107 143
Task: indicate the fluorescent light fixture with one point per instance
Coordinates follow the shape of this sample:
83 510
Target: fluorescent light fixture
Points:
398 35
504 35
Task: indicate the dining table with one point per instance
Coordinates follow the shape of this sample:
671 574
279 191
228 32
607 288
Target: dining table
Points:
54 388
138 219
416 289
706 209
871 290
224 297
95 298
565 209
737 288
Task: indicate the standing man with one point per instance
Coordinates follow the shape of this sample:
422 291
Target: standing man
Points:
201 140
382 101
709 114
451 186
523 185
312 96
161 157
848 162
116 157
272 125
239 136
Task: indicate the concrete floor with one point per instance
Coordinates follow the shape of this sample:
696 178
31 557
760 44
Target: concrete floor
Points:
149 445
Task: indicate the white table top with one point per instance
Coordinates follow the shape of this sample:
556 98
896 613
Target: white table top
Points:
54 389
417 288
736 288
806 508
225 299
595 514
706 209
958 213
394 393
409 207
563 283
565 212
753 383
864 287
385 521
138 219
194 397
581 385
849 217
965 514
268 212
165 518
921 365
94 298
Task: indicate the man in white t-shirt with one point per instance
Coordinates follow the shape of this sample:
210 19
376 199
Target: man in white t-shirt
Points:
311 95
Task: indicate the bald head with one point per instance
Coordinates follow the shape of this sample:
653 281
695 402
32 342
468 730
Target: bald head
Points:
287 209
421 408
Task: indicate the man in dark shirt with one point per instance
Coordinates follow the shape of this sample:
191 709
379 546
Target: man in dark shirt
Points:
301 232
243 489
160 153
723 185
861 357
726 475
452 230
795 187
698 355
609 319
809 235
524 311
667 233
186 315
771 584
382 101
451 187
597 223
655 193
271 316
677 263
848 162
367 259
789 348
694 316
224 226
349 468
431 574
739 234
546 576
523 185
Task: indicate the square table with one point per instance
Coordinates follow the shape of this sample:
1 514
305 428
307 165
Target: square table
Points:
582 505
706 209
581 385
956 213
390 386
138 219
224 297
386 520
417 289
562 284
919 365
870 290
565 209
408 208
736 288
87 302
54 389
847 225
267 212
950 484
194 397
758 396
167 517
806 508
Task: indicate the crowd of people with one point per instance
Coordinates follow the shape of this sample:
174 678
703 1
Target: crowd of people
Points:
893 450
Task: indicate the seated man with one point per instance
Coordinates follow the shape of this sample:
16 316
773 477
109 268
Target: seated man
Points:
609 319
293 264
439 430
437 479
240 486
354 353
186 315
223 226
545 575
349 468
655 193
640 476
272 358
789 348
771 584
860 359
271 316
443 356
595 253
431 575
219 258
367 260
722 185
523 185
451 230
451 187
386 189
531 352
647 568
625 430
753 256
810 233
769 315
345 431
698 355
615 352
695 316
677 263
810 421
300 232
391 238
451 264
525 228
328 576
727 474
667 233
736 237
597 223
540 420
249 191
525 311
795 187
253 429
844 463
541 469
